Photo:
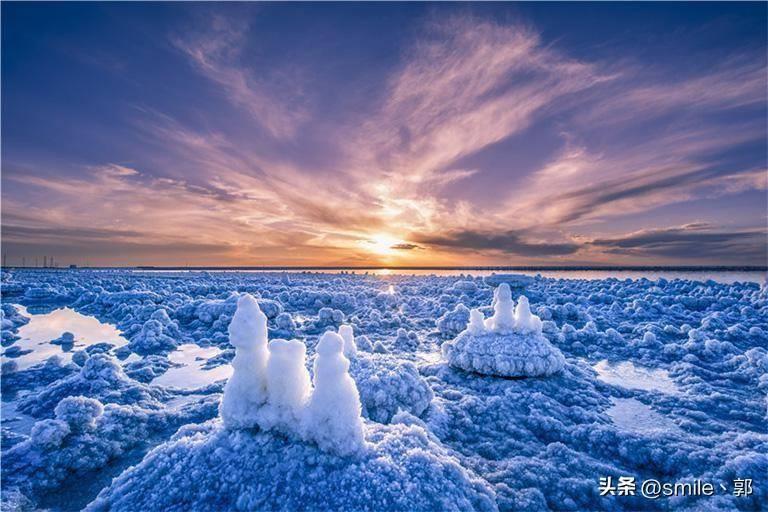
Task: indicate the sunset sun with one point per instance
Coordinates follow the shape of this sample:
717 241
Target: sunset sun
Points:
382 244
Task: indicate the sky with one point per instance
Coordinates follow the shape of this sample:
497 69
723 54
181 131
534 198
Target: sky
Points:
353 134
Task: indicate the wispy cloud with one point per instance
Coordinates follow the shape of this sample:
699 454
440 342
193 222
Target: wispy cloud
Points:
581 185
735 83
272 99
467 84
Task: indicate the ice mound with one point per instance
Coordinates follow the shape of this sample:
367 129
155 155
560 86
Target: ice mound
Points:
453 322
83 437
213 468
508 344
102 378
10 321
157 334
66 339
39 375
146 369
347 334
289 385
388 385
326 318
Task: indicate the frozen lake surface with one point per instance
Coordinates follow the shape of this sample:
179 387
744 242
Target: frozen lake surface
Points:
663 375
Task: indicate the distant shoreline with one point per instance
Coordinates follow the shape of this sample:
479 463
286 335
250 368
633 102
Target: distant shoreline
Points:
420 268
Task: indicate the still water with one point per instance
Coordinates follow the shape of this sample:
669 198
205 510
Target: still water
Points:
631 376
36 336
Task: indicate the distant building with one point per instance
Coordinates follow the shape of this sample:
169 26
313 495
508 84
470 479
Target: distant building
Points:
73 266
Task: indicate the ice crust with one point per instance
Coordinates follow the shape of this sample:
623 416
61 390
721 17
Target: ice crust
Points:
525 444
508 344
404 469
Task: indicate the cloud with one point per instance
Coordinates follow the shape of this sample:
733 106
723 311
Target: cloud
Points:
464 84
70 235
507 242
733 83
405 247
696 241
273 101
650 189
116 170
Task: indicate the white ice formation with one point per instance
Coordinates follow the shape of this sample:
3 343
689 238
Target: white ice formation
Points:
386 385
333 416
288 383
270 387
350 348
246 390
508 344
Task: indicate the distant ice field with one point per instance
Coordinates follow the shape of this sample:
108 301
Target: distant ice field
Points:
720 276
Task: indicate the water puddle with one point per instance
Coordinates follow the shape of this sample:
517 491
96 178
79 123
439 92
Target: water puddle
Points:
18 422
35 344
192 374
633 415
630 376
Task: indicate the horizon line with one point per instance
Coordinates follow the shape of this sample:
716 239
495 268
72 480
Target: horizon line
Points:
689 268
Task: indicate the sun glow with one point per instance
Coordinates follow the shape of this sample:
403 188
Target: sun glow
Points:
382 244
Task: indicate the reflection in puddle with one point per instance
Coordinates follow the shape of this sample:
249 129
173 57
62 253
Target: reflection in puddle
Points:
627 375
631 414
36 336
191 374
16 421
